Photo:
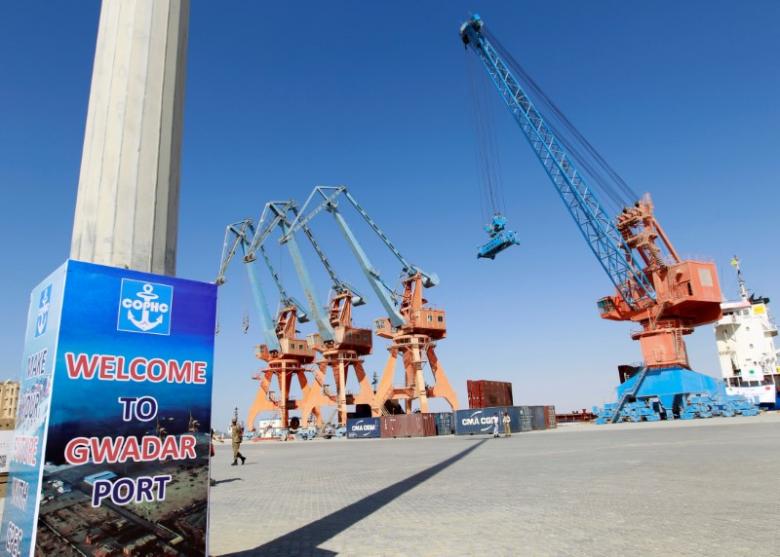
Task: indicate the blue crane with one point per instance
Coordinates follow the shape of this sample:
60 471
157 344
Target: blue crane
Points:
598 229
238 235
275 214
329 201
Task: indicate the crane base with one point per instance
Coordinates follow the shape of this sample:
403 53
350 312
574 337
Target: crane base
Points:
674 393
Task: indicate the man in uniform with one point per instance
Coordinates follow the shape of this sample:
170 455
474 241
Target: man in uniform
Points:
238 435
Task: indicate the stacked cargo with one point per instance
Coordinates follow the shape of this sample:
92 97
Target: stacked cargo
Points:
408 425
489 394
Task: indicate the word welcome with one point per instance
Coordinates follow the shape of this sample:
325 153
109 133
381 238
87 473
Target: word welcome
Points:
109 367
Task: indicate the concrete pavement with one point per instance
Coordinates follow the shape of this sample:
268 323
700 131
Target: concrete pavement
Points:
706 487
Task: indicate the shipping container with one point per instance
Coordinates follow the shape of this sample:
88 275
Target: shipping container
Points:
429 425
360 428
480 420
444 423
538 417
408 425
549 417
484 394
526 419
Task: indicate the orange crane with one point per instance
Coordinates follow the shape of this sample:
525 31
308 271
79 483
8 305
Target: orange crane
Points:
347 346
413 328
284 354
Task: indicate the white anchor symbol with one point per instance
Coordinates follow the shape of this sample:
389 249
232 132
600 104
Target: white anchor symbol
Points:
43 312
144 324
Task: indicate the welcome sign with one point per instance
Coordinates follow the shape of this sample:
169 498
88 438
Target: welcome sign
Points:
110 455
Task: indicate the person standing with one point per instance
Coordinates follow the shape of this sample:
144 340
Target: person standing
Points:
212 453
495 426
507 424
237 431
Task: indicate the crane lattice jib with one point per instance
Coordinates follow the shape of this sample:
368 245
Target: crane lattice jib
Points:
285 298
596 226
330 195
238 235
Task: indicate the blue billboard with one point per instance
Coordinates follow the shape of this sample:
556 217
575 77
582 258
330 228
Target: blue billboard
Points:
112 444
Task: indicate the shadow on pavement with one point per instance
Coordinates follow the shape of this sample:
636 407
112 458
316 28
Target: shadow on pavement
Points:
226 481
304 540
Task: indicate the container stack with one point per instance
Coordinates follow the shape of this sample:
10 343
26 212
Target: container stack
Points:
461 422
522 418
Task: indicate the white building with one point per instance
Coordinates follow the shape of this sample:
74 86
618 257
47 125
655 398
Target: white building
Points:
745 338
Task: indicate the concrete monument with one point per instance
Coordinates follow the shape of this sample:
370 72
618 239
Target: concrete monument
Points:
128 195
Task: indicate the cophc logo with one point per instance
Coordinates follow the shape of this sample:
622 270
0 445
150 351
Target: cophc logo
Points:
42 318
145 307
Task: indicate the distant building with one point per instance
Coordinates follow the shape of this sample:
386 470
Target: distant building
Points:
9 403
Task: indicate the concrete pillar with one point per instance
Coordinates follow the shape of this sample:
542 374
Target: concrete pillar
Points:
128 198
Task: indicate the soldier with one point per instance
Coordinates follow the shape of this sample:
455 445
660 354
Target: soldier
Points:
238 434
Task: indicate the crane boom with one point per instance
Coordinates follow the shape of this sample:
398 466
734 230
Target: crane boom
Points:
279 210
667 296
237 235
286 299
601 234
330 195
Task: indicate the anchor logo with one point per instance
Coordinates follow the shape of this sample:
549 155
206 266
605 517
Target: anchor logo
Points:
42 318
145 307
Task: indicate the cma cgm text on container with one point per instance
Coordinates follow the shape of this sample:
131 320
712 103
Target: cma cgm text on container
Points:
476 421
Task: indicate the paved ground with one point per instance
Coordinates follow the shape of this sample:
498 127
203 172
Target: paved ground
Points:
708 487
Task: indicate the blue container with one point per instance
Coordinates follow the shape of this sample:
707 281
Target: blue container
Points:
526 418
480 420
538 420
362 428
444 423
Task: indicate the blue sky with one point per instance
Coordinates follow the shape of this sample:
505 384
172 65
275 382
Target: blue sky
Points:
679 97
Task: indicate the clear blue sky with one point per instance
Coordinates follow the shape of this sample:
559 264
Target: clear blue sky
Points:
681 97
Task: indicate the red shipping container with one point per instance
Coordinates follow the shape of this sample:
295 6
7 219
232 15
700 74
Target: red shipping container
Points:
549 417
408 425
485 394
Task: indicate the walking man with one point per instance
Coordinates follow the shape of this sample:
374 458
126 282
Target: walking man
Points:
507 424
495 426
238 435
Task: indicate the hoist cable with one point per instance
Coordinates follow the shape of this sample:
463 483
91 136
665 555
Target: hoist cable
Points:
579 148
487 149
